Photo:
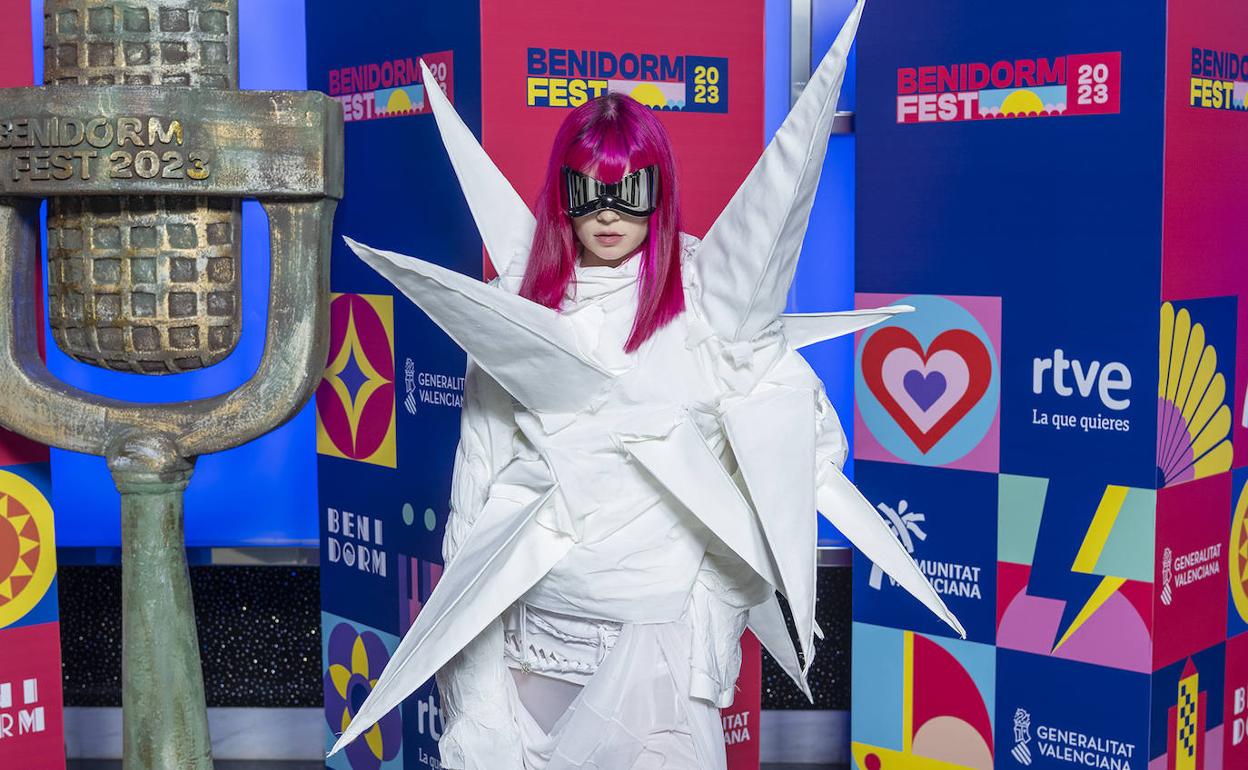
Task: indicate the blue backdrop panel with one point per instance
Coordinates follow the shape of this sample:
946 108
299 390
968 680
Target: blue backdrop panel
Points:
382 514
1010 186
1018 209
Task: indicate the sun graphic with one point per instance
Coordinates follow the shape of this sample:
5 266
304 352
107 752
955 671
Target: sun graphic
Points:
649 94
27 551
1239 555
19 549
398 101
1193 437
1022 102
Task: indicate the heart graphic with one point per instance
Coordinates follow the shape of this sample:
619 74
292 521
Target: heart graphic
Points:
925 389
903 363
926 392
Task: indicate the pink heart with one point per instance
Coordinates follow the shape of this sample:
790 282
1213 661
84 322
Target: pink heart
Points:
901 361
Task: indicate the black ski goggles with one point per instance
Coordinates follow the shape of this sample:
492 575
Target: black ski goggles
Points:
636 194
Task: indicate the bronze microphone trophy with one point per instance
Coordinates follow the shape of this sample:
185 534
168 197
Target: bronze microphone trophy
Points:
143 146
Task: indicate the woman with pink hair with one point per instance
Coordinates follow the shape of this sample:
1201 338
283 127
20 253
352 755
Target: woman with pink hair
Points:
610 141
642 450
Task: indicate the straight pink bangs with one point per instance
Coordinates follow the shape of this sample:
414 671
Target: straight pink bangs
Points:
607 137
611 146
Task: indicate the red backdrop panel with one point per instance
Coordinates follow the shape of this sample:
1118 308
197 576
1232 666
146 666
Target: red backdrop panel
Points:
17 70
32 730
539 60
31 725
16 62
1205 236
714 150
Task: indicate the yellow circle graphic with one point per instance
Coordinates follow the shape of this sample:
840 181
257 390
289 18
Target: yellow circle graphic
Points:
1239 554
1022 102
27 547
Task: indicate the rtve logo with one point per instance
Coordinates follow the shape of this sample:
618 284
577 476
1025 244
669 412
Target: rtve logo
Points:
1070 375
24 720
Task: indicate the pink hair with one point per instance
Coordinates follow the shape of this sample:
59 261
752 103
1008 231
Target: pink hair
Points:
606 136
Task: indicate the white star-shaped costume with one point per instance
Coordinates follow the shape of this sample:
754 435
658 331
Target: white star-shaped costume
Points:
693 467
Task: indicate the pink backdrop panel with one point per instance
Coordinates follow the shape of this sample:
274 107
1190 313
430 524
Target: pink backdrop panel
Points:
1205 237
16 71
716 141
16 62
714 151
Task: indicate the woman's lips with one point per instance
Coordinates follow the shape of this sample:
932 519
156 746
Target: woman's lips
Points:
608 239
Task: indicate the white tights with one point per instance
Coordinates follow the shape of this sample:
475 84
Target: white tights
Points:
544 697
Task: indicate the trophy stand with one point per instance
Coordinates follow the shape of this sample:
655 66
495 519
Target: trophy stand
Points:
161 671
144 147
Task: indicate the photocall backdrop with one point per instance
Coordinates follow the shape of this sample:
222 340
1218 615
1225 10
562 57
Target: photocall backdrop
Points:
221 506
1057 435
31 722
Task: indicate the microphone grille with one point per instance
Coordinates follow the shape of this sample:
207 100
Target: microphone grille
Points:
141 42
144 284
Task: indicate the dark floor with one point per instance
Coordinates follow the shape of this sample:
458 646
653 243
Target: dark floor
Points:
266 623
91 764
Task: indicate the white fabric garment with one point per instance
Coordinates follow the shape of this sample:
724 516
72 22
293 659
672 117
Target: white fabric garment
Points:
574 709
634 712
644 562
639 549
618 519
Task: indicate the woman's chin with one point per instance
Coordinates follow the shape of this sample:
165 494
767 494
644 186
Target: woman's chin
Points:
612 256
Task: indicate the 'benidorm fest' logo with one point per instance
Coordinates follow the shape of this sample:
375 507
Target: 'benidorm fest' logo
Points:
1044 86
21 715
1219 80
566 77
388 89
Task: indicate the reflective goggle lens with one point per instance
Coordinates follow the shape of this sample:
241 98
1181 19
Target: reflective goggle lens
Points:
636 193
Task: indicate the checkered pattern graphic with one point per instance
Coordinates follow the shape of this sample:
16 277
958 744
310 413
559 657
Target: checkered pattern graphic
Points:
141 42
147 285
1187 718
